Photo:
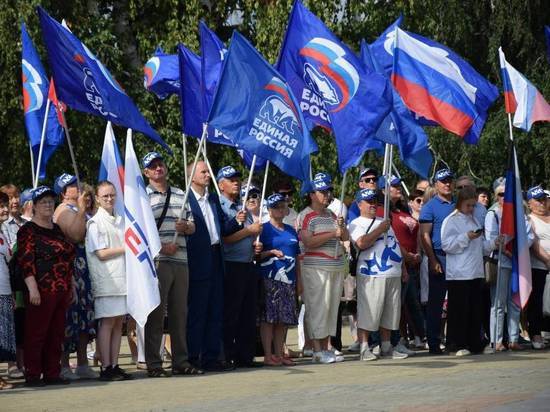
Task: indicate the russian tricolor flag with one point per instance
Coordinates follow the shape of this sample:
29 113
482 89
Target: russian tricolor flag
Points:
111 167
436 84
514 227
521 97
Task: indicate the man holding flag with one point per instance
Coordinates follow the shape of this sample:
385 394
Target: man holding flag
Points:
172 271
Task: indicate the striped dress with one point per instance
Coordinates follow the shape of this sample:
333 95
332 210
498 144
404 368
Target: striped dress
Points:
318 223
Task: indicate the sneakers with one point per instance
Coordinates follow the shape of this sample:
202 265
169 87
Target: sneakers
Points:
307 352
394 354
403 349
324 357
376 350
15 373
418 344
367 355
67 373
336 352
338 356
463 352
537 344
85 372
354 347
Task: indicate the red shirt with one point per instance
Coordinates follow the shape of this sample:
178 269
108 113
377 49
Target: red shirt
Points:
47 255
406 229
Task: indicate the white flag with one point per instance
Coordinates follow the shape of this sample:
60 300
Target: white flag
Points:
111 168
142 241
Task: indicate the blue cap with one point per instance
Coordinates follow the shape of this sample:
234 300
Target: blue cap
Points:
322 175
320 184
394 181
536 192
40 192
365 194
149 157
227 172
368 171
252 189
443 174
62 182
26 196
274 199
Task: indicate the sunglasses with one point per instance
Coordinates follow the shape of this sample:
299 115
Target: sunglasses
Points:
500 194
447 181
286 194
418 200
369 180
325 192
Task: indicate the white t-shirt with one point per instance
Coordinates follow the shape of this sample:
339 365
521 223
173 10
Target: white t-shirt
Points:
379 260
5 256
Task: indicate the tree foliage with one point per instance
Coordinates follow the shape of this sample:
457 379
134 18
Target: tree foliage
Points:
123 34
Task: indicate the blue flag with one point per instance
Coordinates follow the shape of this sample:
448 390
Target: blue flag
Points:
334 89
161 74
247 159
212 53
547 36
400 128
381 48
257 110
35 94
84 84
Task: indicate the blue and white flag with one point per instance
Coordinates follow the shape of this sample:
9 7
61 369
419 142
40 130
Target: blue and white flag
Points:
84 84
400 128
141 240
35 94
257 110
111 168
334 89
161 74
212 55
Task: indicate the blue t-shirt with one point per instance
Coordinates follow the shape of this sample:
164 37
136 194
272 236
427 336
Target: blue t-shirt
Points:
241 251
435 212
284 269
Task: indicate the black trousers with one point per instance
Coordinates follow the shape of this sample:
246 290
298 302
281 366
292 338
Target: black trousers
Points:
534 307
465 314
239 316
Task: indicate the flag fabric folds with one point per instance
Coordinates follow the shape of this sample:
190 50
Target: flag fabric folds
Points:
36 91
334 89
400 128
161 74
256 108
514 227
141 240
111 167
439 85
84 84
382 48
521 97
212 53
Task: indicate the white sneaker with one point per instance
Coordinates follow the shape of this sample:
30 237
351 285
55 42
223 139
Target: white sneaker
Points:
307 353
367 355
15 373
537 345
67 373
403 349
394 354
337 358
488 350
463 352
376 350
323 357
336 352
418 342
85 372
354 347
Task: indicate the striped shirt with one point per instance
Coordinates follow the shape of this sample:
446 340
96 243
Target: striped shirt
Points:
316 224
168 228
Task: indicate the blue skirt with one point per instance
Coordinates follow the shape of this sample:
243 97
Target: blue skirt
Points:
279 305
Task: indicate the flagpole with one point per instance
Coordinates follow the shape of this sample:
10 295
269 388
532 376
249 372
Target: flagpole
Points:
399 176
252 166
213 175
387 171
184 144
262 201
188 188
42 138
32 161
71 151
342 192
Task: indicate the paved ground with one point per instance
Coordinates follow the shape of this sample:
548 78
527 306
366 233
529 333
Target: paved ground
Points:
505 382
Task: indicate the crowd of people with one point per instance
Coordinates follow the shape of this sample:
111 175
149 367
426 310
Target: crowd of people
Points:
421 275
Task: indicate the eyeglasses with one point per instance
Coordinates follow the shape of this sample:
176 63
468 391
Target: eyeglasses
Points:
105 197
418 200
369 180
500 194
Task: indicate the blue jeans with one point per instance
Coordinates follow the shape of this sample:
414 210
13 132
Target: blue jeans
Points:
505 304
434 309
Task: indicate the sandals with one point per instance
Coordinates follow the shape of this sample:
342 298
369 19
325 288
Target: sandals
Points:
5 385
287 361
187 370
158 373
272 361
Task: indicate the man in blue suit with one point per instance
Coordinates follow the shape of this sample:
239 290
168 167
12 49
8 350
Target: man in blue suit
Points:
206 272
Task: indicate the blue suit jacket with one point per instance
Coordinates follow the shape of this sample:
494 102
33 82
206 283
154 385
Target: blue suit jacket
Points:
199 253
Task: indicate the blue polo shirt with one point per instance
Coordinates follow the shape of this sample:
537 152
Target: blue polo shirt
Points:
435 212
241 251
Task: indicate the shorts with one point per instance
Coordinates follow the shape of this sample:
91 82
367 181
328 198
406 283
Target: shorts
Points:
378 302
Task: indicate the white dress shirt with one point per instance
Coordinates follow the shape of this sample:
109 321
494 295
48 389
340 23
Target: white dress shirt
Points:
208 215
